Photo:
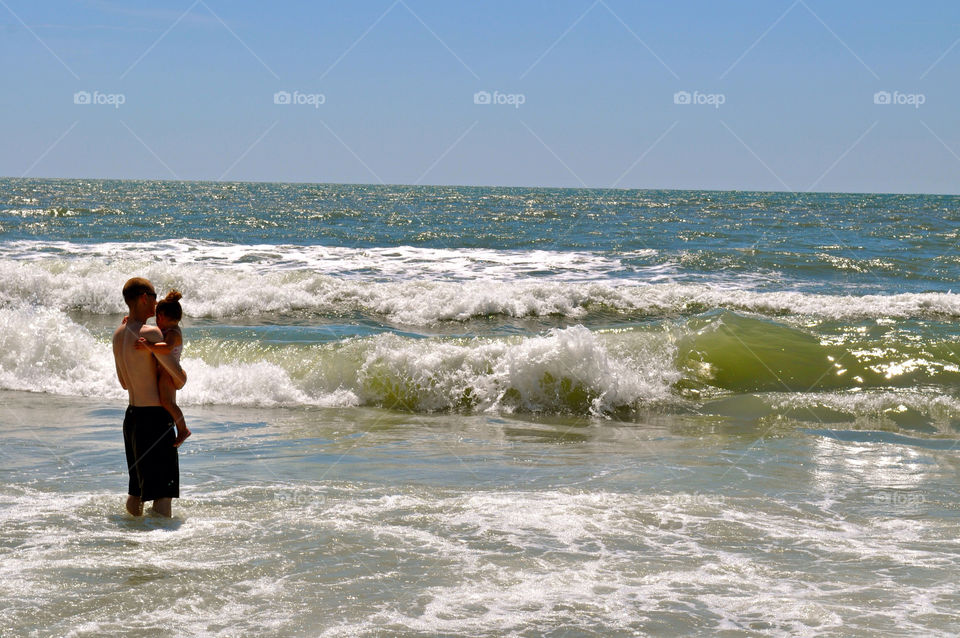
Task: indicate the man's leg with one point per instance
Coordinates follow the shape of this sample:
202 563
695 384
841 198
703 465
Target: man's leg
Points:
134 503
158 465
162 506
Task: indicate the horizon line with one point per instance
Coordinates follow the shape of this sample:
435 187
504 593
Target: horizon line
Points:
529 187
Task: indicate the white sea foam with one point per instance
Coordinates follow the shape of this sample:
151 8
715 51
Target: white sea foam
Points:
42 350
103 548
592 562
216 290
393 263
343 559
876 406
569 370
566 370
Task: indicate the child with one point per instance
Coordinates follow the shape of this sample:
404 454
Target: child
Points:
169 314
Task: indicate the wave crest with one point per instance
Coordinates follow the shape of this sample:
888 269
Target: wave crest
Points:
93 286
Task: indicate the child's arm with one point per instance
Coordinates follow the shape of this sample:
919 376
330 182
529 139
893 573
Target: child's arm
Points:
160 347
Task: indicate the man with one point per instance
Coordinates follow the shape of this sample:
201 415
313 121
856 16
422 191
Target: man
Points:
147 428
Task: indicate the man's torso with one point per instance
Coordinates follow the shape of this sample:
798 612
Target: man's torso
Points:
137 367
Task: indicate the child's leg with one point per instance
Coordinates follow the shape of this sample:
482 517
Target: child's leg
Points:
168 399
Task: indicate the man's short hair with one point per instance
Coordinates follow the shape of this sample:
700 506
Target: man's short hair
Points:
134 288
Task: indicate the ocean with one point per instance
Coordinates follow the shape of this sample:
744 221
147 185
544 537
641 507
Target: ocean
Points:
466 411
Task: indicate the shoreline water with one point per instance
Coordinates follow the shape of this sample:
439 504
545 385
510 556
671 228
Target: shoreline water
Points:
358 521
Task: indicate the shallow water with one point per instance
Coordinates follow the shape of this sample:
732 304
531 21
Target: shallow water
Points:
362 521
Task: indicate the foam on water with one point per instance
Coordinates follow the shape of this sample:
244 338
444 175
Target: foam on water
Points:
134 571
41 350
887 406
617 562
570 370
478 563
395 262
565 370
422 294
254 554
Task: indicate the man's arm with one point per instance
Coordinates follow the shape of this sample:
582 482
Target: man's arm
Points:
117 345
123 384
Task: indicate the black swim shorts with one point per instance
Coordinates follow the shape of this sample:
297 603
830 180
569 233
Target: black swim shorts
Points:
148 438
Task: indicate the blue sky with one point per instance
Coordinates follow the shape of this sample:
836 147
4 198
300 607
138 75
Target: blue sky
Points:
787 92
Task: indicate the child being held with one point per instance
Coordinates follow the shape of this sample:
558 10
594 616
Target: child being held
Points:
169 314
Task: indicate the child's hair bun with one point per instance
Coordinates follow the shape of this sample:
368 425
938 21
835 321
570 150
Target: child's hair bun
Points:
169 306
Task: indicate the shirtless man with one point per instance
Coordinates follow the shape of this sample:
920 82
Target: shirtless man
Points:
148 434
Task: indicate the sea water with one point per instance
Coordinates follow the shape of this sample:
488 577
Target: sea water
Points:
425 411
